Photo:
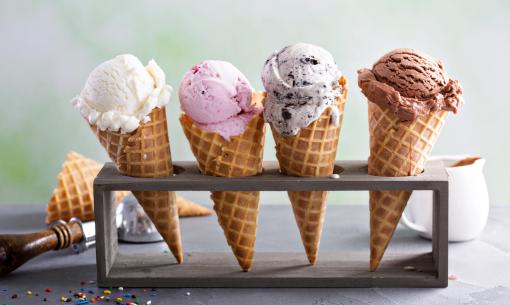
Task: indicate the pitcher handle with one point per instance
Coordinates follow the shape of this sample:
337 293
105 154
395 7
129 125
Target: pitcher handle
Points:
411 225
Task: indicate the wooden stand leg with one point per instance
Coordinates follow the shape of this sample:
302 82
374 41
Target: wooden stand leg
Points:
440 234
106 232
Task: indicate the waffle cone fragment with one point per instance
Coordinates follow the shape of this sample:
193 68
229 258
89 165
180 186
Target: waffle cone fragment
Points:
73 195
188 208
241 156
145 152
312 152
396 149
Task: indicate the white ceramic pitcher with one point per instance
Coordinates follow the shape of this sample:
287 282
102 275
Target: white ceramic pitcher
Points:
468 201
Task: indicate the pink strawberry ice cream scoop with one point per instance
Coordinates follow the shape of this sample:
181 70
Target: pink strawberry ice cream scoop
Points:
217 97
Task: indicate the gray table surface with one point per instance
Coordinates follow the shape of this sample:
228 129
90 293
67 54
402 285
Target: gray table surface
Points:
480 268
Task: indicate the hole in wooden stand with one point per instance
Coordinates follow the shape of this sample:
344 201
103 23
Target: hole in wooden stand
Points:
178 169
338 170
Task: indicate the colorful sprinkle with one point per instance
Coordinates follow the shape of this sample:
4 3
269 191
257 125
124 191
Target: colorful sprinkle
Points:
14 296
29 292
121 288
106 291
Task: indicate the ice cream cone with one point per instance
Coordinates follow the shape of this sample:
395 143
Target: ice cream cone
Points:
145 152
311 152
396 149
73 195
240 156
189 208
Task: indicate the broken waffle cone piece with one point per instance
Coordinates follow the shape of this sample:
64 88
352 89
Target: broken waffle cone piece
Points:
188 208
73 195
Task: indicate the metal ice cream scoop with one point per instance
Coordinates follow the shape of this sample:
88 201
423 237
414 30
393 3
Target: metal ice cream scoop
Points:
133 224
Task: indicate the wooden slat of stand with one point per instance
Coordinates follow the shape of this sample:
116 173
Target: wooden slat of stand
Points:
270 269
353 177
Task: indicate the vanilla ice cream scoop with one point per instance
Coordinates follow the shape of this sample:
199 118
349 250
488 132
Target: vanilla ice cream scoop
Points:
121 93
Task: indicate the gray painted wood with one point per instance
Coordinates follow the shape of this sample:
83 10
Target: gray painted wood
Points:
271 269
440 232
106 240
353 177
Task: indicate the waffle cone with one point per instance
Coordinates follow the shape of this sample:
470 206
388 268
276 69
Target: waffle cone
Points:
311 152
145 152
241 156
73 195
396 149
189 208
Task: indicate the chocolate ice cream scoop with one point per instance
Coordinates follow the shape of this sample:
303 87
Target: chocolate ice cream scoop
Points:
410 84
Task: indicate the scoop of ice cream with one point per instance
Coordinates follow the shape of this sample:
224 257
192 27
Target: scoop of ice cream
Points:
218 98
301 81
410 83
120 93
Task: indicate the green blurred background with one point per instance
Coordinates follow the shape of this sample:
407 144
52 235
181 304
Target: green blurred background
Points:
48 48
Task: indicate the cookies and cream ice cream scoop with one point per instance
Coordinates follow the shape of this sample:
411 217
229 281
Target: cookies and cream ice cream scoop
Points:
121 93
301 81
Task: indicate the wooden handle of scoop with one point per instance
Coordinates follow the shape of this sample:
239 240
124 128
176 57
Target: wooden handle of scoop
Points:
17 249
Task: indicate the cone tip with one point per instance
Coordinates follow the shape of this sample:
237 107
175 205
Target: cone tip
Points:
246 266
312 259
179 259
374 263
